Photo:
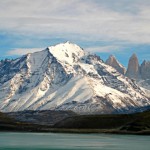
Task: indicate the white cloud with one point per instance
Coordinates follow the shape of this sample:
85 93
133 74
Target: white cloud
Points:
23 51
105 49
90 20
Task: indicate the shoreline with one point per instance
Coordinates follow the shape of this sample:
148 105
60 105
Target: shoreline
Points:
77 131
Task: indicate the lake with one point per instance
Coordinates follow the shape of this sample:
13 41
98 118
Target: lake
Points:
60 141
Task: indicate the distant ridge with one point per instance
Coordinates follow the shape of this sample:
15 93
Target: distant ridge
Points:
140 73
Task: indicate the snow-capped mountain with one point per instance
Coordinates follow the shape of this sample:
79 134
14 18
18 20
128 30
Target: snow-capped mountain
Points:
65 77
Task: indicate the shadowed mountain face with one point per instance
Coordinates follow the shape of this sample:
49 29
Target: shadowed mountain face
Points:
65 77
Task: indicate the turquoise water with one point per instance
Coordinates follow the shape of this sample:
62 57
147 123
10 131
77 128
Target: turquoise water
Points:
58 141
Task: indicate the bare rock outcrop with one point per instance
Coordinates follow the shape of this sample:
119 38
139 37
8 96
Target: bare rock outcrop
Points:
145 70
133 70
112 61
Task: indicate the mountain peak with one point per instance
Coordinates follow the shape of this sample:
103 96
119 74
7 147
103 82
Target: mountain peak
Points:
145 62
133 70
112 56
68 42
133 56
145 70
67 52
112 61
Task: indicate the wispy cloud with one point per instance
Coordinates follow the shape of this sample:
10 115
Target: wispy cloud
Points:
106 49
23 51
109 20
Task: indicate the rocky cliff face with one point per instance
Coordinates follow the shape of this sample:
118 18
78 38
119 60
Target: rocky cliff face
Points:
140 73
133 70
145 70
112 61
145 75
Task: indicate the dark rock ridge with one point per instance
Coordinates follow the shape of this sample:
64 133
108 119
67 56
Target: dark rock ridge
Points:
112 61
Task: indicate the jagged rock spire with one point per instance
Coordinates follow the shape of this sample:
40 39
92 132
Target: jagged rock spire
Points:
133 70
112 61
145 69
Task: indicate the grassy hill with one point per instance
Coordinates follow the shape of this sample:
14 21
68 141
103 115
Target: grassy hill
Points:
138 123
35 121
123 123
4 118
10 124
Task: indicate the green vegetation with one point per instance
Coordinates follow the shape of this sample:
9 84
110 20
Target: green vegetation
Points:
123 123
138 123
10 124
5 118
141 122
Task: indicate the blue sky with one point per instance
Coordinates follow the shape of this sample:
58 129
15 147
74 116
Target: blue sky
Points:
104 27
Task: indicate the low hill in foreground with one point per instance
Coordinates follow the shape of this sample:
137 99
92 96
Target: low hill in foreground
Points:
36 121
125 123
10 124
138 123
